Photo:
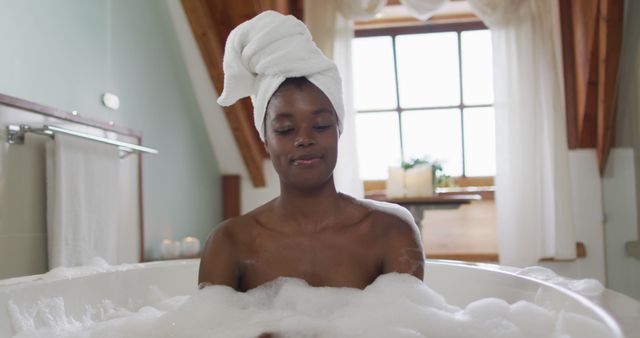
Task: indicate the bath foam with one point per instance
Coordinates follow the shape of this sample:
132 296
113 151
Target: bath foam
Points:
589 287
395 305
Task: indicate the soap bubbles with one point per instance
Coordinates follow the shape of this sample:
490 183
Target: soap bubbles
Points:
395 305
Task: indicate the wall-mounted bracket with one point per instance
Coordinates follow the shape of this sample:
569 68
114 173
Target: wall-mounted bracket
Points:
15 134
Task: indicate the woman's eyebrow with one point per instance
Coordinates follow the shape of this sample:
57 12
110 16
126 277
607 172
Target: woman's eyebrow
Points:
282 115
323 110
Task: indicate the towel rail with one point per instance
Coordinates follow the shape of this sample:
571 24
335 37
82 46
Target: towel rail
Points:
15 135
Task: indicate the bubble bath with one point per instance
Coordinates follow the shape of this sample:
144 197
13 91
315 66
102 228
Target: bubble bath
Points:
395 305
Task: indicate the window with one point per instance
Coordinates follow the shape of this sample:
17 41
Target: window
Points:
424 91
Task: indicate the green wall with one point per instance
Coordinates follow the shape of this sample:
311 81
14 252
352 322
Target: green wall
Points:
67 53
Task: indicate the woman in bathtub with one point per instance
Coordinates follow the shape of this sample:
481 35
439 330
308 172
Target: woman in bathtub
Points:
311 231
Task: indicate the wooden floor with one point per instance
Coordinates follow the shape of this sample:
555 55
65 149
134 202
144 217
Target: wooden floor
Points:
468 233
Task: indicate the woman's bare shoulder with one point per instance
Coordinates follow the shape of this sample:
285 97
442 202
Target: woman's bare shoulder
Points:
402 251
388 215
394 228
230 237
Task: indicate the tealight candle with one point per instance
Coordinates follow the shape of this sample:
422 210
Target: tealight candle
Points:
169 249
190 247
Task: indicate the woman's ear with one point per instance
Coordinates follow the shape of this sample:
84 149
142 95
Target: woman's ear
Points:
266 147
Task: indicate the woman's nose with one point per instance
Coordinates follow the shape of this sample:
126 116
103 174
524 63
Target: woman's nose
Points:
303 141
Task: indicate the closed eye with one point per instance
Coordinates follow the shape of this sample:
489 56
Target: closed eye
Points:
322 127
283 131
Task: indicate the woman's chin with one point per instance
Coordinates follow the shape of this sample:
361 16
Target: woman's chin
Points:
309 182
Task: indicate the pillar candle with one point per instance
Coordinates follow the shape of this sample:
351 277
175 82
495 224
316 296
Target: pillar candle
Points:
419 181
395 182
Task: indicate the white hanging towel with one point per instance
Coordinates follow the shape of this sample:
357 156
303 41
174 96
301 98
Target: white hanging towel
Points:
82 201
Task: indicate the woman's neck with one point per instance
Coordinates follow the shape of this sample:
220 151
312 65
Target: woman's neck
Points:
308 209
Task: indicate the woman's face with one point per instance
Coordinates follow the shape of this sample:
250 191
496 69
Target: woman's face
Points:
301 135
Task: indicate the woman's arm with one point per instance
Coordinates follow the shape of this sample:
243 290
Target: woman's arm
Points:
219 265
404 253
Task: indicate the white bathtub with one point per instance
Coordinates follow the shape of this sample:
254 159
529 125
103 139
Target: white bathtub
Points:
460 283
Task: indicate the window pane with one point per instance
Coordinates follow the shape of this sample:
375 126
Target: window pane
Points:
428 70
373 74
378 137
435 134
479 142
477 67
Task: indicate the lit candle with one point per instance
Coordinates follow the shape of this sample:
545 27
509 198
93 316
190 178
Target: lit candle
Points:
395 182
169 249
190 247
419 181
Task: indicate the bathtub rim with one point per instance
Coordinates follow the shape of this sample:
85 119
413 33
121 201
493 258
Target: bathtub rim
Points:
607 314
601 311
84 271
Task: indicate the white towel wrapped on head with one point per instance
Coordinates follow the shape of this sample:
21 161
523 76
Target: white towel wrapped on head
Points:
263 52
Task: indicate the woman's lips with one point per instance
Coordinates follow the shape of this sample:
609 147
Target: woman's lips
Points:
306 160
306 163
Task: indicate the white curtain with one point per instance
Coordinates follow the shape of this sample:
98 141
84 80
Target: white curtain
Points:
331 25
423 9
533 184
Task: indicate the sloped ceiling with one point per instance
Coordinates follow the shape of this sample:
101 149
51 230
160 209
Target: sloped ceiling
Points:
211 22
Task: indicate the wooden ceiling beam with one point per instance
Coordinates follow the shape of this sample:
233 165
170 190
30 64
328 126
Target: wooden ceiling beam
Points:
211 22
579 37
591 38
610 35
570 77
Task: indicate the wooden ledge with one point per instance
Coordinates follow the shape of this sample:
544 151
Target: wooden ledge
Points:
581 252
435 199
